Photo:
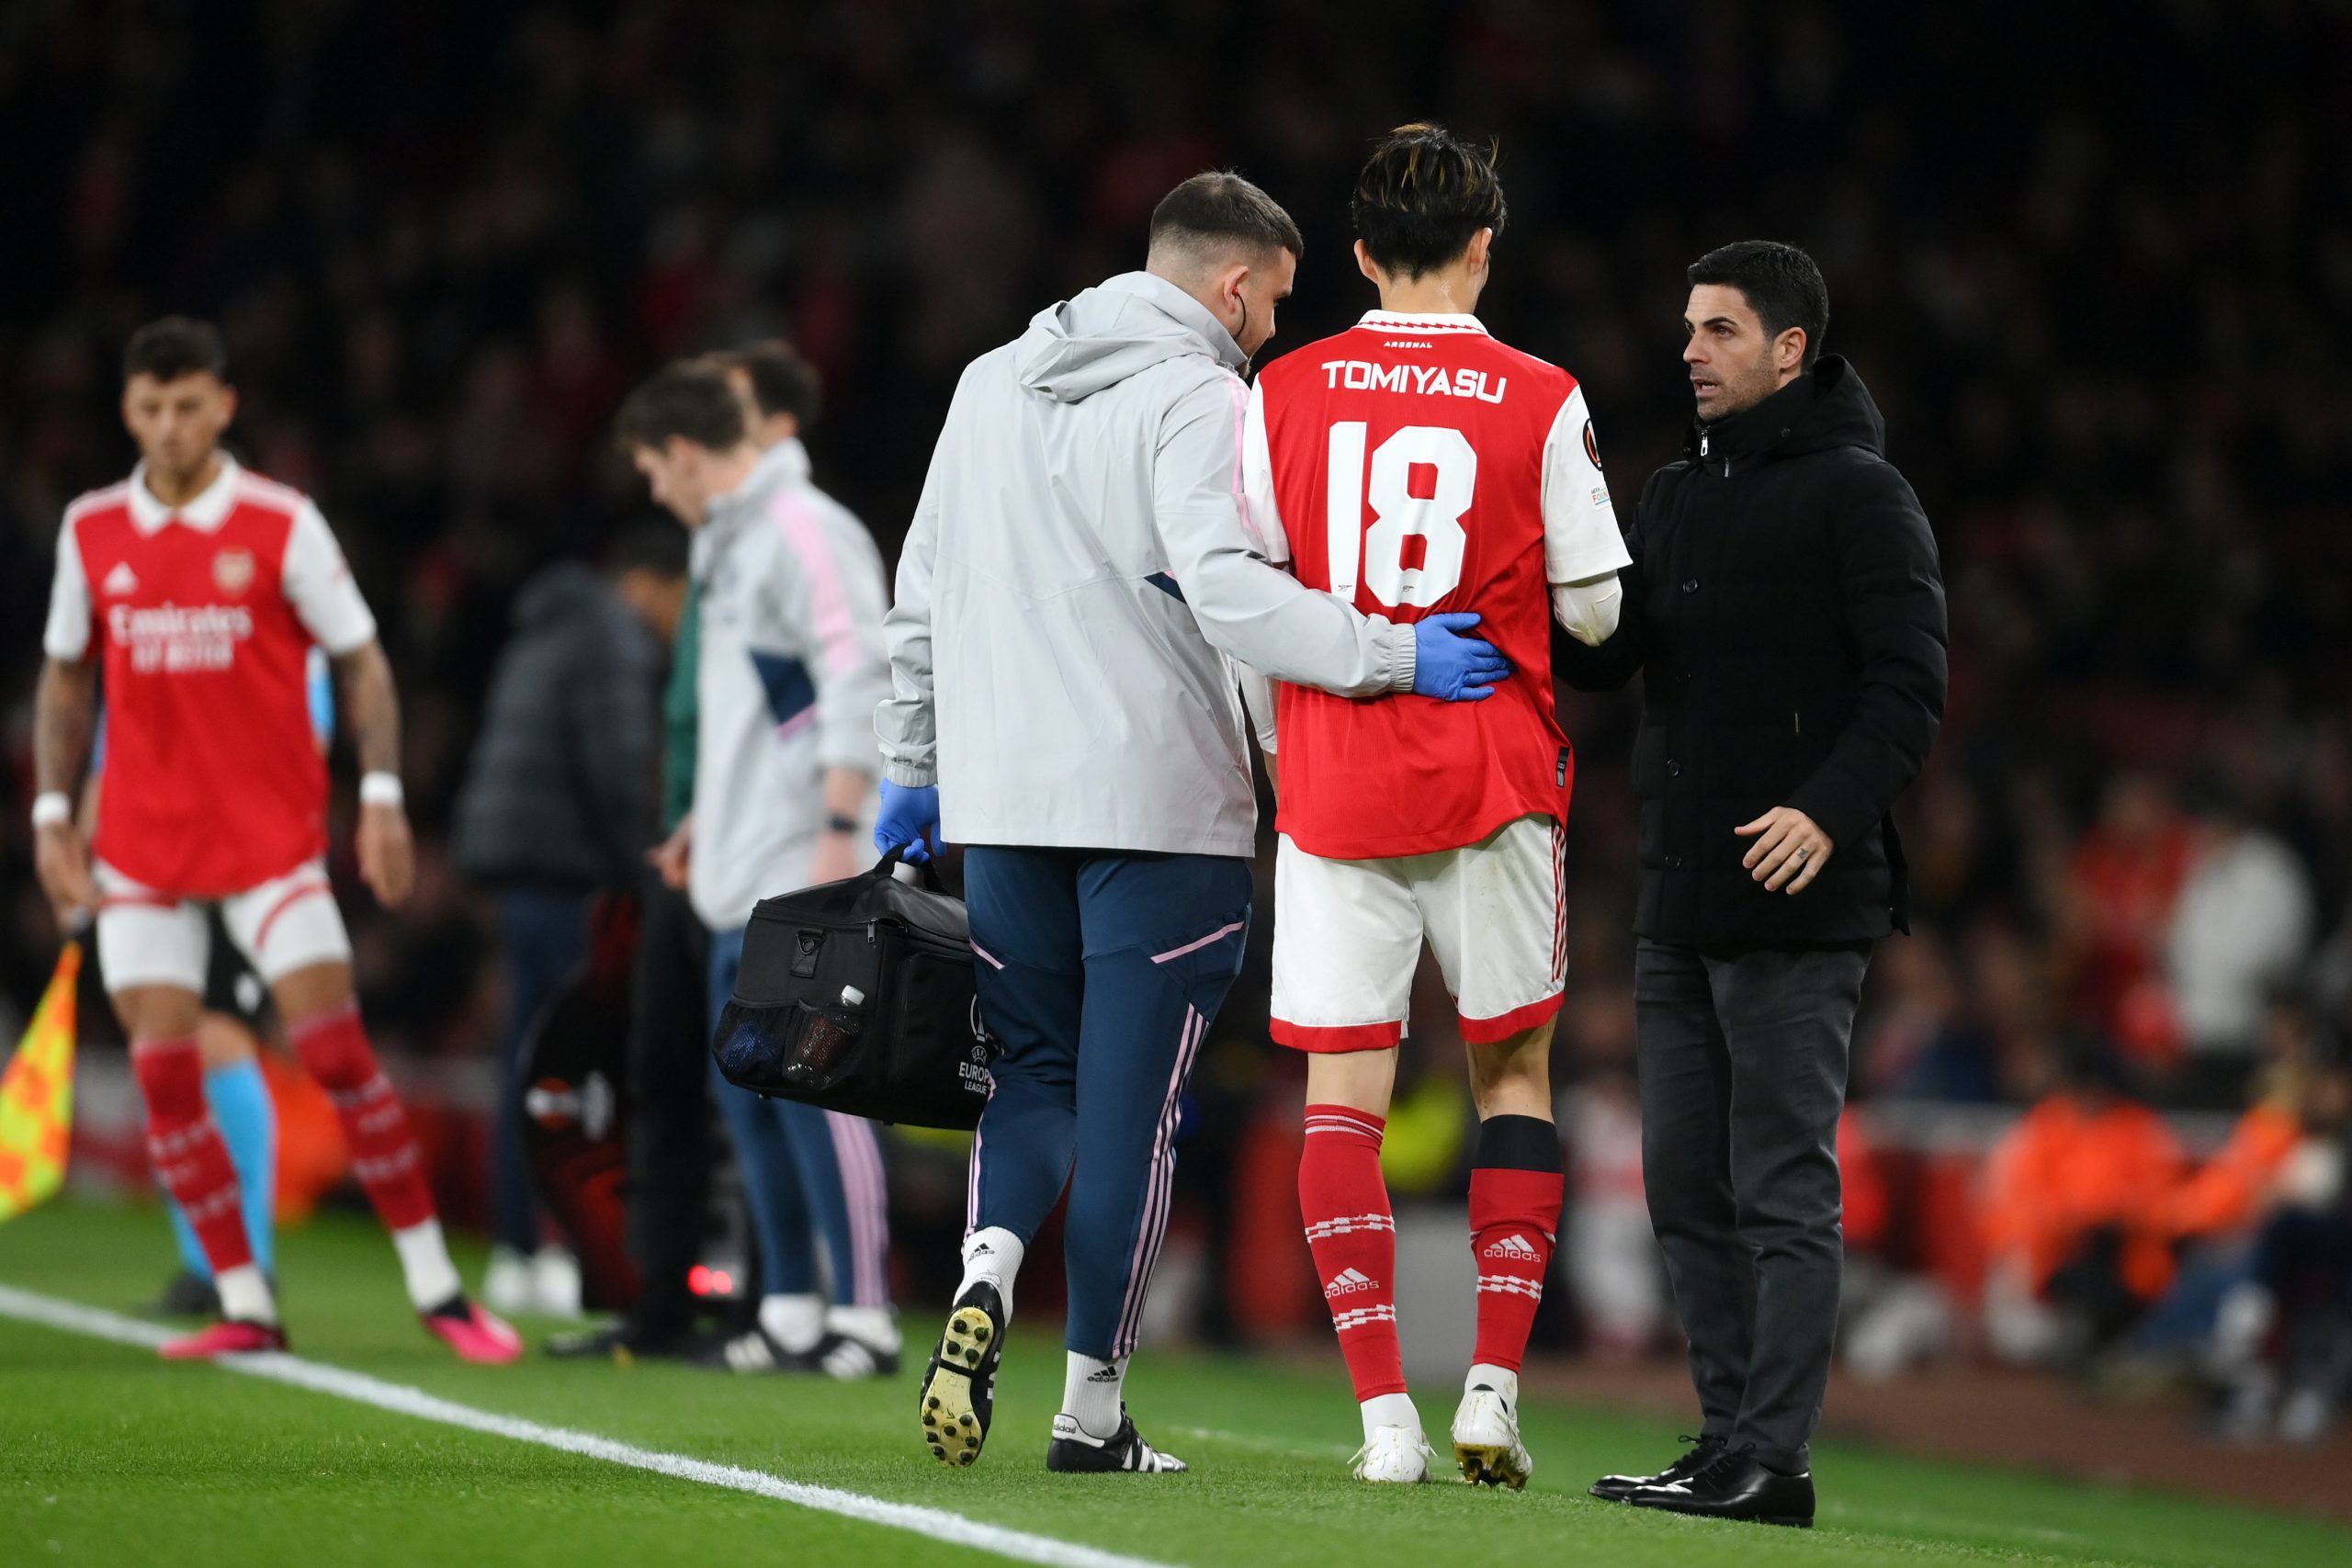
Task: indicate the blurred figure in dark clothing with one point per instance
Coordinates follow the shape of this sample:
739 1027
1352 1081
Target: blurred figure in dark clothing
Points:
556 807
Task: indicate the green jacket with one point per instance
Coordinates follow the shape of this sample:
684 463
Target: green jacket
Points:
678 713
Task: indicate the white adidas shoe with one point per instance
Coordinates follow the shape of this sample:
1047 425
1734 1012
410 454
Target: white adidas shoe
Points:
1394 1454
1485 1439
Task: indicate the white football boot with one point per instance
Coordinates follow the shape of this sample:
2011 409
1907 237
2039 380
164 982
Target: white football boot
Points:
1486 1438
1394 1454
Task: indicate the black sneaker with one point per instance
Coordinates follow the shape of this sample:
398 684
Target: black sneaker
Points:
756 1350
624 1344
1073 1452
848 1359
1618 1488
189 1295
1736 1485
958 1395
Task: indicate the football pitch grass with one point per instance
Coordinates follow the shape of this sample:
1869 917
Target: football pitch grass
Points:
110 1457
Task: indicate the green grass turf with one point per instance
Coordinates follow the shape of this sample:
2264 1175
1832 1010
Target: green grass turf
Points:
109 1457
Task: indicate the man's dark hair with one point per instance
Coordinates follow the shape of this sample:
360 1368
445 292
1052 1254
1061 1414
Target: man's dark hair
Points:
689 398
1421 196
782 381
1219 210
1781 283
657 548
174 347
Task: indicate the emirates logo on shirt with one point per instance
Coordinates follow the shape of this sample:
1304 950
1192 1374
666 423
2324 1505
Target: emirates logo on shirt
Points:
169 638
233 571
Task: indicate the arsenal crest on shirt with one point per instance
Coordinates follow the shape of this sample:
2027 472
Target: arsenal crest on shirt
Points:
232 571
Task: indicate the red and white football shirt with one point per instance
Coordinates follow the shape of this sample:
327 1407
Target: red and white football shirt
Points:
1413 465
205 614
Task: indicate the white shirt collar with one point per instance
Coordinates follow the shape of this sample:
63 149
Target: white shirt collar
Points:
1394 320
205 513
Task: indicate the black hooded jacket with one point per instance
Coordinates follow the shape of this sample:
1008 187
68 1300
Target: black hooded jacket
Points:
560 794
1786 606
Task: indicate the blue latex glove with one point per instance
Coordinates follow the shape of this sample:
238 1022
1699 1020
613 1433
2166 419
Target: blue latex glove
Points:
1450 664
910 821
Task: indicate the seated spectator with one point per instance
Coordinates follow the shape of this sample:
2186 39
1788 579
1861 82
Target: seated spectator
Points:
2071 1218
2282 1348
2241 926
2122 882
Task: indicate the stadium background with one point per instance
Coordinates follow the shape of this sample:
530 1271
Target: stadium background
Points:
2095 276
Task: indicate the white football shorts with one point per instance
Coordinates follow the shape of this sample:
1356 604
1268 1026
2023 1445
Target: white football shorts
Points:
1348 934
146 938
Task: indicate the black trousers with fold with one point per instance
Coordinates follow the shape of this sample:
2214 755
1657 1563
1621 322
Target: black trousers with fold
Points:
1742 1057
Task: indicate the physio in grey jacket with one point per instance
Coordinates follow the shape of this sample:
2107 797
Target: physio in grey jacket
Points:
1079 579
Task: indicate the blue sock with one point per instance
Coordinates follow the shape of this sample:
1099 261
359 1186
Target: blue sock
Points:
241 1105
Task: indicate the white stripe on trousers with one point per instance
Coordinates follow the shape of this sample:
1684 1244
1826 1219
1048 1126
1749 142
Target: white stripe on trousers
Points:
865 1194
1159 1190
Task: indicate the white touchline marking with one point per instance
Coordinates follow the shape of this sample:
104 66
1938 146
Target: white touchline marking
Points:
71 1317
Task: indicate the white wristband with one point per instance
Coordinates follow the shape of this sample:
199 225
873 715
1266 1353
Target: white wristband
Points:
52 809
380 789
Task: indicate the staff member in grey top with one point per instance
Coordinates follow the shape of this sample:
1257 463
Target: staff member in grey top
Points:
1079 572
1786 609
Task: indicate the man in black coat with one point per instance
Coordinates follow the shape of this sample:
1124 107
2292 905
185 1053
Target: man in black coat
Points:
558 807
1786 609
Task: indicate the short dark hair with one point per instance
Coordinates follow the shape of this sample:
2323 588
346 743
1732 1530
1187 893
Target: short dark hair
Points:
174 347
1780 282
1421 196
689 398
658 548
1221 208
782 381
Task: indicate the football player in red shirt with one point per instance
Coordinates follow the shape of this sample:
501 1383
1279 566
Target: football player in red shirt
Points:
1418 466
202 587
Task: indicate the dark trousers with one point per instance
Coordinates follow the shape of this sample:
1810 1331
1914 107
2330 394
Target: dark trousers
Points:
669 1107
546 937
1100 971
1742 1058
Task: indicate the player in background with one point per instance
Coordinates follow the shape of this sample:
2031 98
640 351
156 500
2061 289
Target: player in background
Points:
1413 465
203 587
228 1041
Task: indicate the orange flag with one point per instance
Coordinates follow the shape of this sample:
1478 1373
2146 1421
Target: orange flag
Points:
37 1097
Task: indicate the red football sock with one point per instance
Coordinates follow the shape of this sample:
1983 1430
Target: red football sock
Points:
384 1154
1513 1216
185 1147
1353 1234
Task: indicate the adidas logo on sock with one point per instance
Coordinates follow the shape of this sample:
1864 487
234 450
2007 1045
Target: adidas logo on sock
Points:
1107 1374
1514 1247
983 1250
1348 1281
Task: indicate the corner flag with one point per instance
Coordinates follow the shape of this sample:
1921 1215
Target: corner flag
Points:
36 1096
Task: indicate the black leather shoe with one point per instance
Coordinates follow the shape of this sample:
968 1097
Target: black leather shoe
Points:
1701 1453
1736 1485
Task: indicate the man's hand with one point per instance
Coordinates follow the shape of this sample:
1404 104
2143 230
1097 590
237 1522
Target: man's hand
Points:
910 821
61 859
1789 848
1450 664
838 857
387 854
675 855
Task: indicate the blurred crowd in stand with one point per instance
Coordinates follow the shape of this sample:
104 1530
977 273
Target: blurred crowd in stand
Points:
443 239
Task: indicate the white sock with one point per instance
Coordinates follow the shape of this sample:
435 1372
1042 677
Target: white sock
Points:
1502 1380
795 1322
244 1294
425 1259
1090 1393
992 1254
1390 1410
875 1326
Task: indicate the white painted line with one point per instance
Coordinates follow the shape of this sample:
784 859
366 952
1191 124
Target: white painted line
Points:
71 1317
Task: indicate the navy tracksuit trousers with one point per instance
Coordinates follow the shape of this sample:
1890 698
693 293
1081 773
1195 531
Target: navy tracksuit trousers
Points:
1100 971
